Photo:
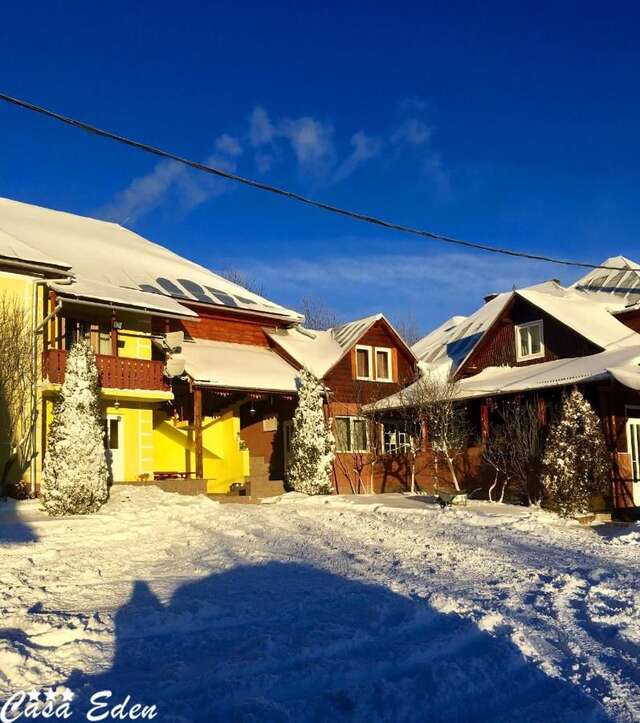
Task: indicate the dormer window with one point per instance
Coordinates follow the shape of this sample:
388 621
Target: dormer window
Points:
364 365
529 341
374 363
383 364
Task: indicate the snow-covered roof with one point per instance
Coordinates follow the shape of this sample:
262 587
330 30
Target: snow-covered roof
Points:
622 364
104 258
446 348
590 316
237 366
320 351
616 285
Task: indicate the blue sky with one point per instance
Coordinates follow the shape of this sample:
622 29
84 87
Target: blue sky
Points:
514 124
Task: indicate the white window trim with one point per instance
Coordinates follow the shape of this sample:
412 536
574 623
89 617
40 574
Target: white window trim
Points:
369 351
399 449
353 419
537 355
387 351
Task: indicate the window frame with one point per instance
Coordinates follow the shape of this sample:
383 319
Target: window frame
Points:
531 355
402 448
369 350
389 353
353 418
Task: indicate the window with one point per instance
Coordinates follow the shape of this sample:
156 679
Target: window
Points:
351 434
396 437
529 341
363 362
383 365
98 335
374 363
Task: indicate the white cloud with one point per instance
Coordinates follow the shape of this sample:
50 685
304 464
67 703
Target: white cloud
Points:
147 192
433 285
261 130
229 145
264 162
364 148
311 141
412 131
143 194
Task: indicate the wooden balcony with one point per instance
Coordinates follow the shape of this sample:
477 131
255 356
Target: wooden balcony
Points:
116 372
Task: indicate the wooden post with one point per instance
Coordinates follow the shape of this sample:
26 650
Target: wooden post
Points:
484 421
197 421
114 336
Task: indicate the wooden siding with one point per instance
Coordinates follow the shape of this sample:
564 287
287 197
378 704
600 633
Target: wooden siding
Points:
233 331
499 346
267 444
630 319
219 326
115 372
342 381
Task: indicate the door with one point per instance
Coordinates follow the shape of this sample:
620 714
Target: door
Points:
633 447
114 444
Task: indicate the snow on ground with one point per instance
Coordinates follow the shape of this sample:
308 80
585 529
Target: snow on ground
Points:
315 609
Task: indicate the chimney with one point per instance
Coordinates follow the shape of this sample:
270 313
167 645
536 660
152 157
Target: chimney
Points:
490 297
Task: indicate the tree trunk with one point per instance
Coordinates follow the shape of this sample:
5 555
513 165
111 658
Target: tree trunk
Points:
413 476
454 476
493 486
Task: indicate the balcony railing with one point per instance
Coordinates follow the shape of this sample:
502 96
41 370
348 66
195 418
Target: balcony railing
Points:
115 372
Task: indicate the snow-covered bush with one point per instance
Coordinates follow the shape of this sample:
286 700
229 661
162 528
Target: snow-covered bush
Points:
312 443
75 474
575 464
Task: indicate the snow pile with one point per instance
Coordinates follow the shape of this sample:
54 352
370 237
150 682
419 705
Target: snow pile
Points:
377 608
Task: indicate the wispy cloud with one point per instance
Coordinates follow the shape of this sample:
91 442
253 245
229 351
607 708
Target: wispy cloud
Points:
364 148
435 286
147 192
412 131
412 134
309 142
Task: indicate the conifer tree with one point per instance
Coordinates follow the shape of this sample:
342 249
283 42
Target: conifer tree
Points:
312 443
575 464
75 470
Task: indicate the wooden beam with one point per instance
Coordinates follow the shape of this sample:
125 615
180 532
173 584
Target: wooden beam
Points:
197 421
114 336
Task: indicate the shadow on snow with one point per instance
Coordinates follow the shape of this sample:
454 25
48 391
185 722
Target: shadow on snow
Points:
12 528
288 642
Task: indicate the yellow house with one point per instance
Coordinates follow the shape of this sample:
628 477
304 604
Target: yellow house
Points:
191 387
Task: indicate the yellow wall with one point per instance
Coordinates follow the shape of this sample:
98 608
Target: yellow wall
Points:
224 462
20 288
151 441
134 339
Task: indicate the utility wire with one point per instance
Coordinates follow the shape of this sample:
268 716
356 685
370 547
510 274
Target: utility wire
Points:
292 195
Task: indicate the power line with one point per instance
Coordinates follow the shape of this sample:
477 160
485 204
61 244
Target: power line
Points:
292 195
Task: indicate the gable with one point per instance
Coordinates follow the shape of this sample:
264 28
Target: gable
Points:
498 348
342 381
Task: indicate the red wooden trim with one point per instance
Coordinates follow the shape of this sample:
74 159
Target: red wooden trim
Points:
115 372
484 421
114 336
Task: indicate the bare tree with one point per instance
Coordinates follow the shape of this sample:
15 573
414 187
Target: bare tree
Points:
318 315
496 453
437 407
407 327
17 405
239 277
521 436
